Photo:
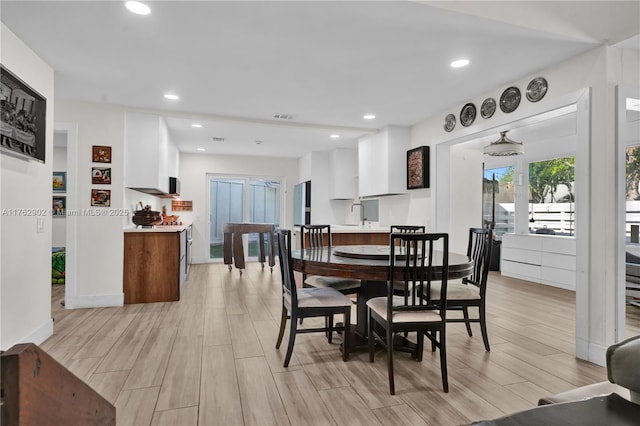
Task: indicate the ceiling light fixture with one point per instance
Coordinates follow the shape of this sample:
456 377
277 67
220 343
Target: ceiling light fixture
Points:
200 149
334 136
171 96
258 142
196 125
504 147
459 63
137 7
369 117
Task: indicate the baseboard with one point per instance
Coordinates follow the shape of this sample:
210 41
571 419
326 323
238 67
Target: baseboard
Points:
598 354
40 334
100 301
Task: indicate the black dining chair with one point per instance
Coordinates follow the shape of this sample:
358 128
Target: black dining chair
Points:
298 303
413 261
410 229
471 291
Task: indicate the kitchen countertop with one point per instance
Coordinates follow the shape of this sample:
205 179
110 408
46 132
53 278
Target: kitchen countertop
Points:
159 228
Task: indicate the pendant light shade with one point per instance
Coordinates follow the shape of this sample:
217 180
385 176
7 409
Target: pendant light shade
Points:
504 146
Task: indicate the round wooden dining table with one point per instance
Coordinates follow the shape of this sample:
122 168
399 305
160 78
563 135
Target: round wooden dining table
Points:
368 263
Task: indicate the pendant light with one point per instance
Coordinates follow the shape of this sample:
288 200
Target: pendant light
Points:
504 146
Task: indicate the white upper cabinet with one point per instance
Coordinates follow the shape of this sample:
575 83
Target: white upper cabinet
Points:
382 160
150 155
343 174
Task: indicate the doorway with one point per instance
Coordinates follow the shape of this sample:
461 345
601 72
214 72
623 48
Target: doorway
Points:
241 199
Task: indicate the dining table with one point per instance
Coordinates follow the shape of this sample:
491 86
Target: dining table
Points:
369 264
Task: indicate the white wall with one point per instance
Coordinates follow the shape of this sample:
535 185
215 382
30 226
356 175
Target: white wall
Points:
99 233
193 176
25 266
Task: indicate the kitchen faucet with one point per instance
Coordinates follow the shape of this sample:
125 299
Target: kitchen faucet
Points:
362 218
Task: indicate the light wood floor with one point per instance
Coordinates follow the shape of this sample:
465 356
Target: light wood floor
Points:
210 359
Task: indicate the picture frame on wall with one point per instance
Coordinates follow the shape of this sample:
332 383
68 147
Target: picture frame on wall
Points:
24 113
418 168
101 154
59 182
101 197
59 206
101 175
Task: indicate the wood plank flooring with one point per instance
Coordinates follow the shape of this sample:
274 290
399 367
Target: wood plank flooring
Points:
210 359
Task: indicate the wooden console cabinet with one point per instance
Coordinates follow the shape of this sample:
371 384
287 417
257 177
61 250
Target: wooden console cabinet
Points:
155 265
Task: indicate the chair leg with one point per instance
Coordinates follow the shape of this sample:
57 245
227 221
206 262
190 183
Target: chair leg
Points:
283 322
420 346
370 340
392 383
346 334
465 313
443 362
328 322
292 339
483 328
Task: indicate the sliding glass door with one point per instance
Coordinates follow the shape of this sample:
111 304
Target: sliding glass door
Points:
246 199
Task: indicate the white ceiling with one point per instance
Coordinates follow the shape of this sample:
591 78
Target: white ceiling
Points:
234 64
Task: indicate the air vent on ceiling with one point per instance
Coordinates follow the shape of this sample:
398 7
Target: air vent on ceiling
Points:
283 116
217 139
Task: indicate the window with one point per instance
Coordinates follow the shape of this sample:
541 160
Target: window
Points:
551 197
498 200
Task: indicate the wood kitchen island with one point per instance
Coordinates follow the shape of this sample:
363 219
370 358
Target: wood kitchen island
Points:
156 262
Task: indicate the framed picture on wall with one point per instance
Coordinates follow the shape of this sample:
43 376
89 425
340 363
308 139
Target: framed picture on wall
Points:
101 197
59 206
101 175
59 183
101 154
418 168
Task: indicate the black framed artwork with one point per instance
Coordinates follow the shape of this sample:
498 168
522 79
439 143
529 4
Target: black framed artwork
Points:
418 168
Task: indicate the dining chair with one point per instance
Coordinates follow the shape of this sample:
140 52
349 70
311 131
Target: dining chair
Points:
300 303
316 236
412 229
471 291
413 260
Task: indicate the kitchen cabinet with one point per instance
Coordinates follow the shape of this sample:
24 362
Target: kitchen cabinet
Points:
150 155
343 174
156 263
382 162
544 259
354 236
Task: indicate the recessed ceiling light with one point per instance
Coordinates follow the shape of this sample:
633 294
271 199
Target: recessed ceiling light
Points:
138 8
259 142
196 125
369 117
459 63
200 149
334 136
171 96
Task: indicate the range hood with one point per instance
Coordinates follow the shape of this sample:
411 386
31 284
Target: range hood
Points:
174 189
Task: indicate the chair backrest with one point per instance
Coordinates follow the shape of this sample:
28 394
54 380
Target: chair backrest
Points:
286 266
479 249
315 236
416 260
411 229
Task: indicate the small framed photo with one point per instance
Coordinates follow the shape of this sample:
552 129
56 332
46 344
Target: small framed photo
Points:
101 175
418 167
101 197
59 206
101 154
59 183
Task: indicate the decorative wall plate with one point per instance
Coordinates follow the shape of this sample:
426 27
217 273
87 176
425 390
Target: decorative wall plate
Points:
449 122
536 89
468 114
510 99
488 108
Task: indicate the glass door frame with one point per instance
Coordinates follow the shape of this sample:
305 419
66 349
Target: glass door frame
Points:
245 214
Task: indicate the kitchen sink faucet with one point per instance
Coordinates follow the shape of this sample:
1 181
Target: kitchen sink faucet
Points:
362 218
